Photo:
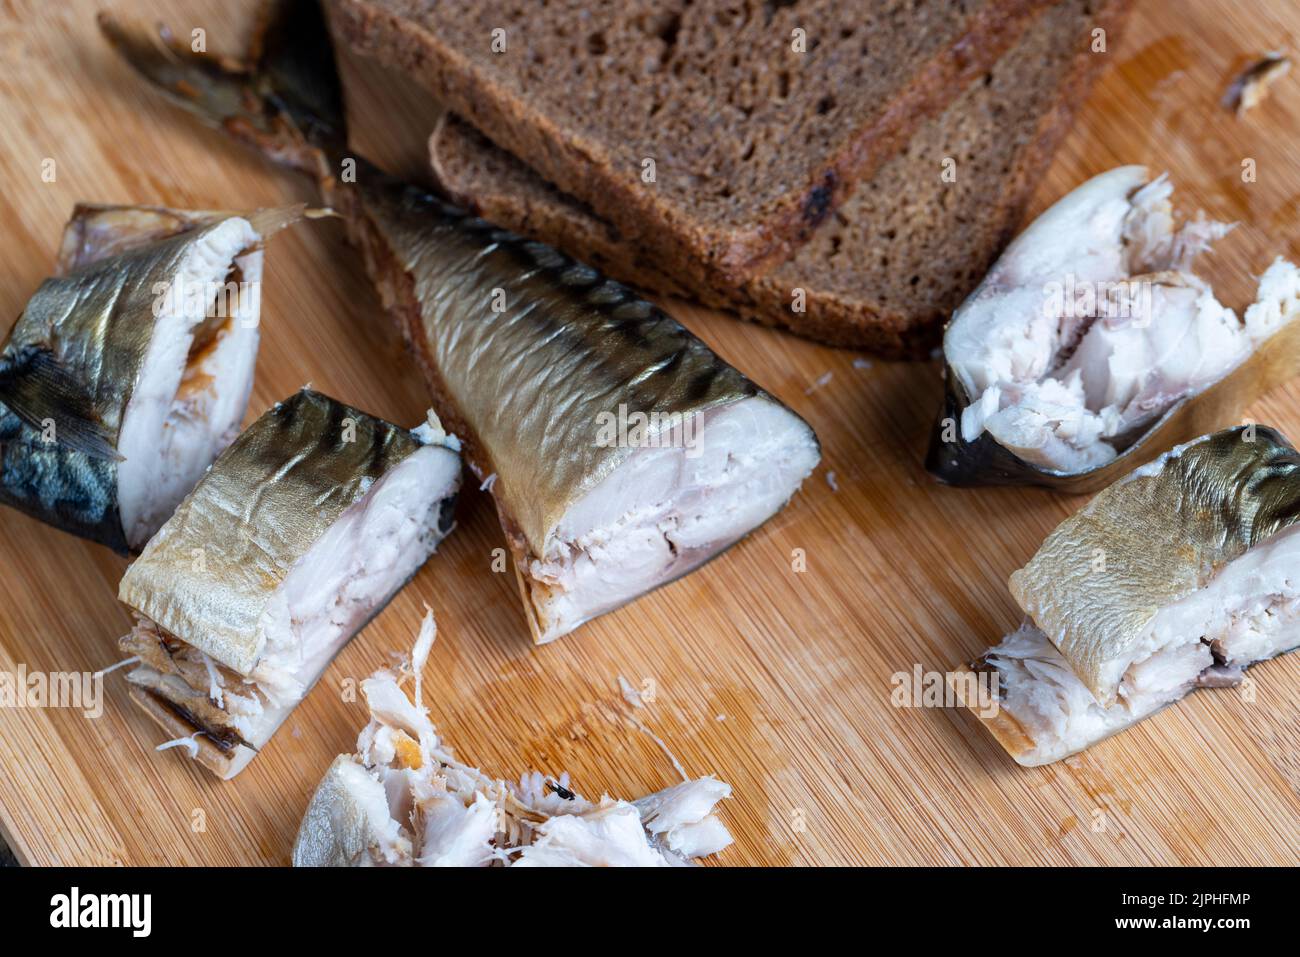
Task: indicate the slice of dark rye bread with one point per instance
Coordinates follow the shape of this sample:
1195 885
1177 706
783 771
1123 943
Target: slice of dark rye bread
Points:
887 269
754 143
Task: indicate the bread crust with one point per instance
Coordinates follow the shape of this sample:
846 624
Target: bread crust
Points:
892 330
704 252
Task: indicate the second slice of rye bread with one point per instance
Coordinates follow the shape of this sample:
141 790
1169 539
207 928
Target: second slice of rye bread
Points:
887 268
761 116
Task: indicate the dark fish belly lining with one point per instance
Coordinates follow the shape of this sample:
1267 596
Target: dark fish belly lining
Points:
396 288
166 660
521 386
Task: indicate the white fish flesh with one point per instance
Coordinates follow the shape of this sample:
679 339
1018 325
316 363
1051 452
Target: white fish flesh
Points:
403 799
301 532
1091 326
1180 576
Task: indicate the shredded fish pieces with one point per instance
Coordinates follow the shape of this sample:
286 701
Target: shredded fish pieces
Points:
1092 333
404 799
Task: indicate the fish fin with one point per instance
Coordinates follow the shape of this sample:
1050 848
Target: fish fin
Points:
37 388
98 231
209 86
270 220
284 98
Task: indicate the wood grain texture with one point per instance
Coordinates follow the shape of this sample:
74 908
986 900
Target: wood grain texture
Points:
777 680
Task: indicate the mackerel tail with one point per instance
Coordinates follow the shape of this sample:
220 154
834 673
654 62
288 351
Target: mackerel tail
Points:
621 452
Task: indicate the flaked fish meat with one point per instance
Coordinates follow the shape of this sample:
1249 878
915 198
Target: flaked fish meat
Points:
1092 346
301 531
404 799
130 370
620 450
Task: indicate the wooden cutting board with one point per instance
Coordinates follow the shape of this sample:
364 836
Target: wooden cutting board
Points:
777 680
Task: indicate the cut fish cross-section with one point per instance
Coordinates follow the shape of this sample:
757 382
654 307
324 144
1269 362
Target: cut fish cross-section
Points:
302 531
130 371
1179 576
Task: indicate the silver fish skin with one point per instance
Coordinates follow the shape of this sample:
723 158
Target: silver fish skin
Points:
1152 538
72 363
1178 576
526 352
301 531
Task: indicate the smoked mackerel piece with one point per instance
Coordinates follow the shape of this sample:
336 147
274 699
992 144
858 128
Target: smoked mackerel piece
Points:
297 536
620 450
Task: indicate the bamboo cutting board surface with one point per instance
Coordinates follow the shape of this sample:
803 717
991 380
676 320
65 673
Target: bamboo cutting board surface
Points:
775 679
